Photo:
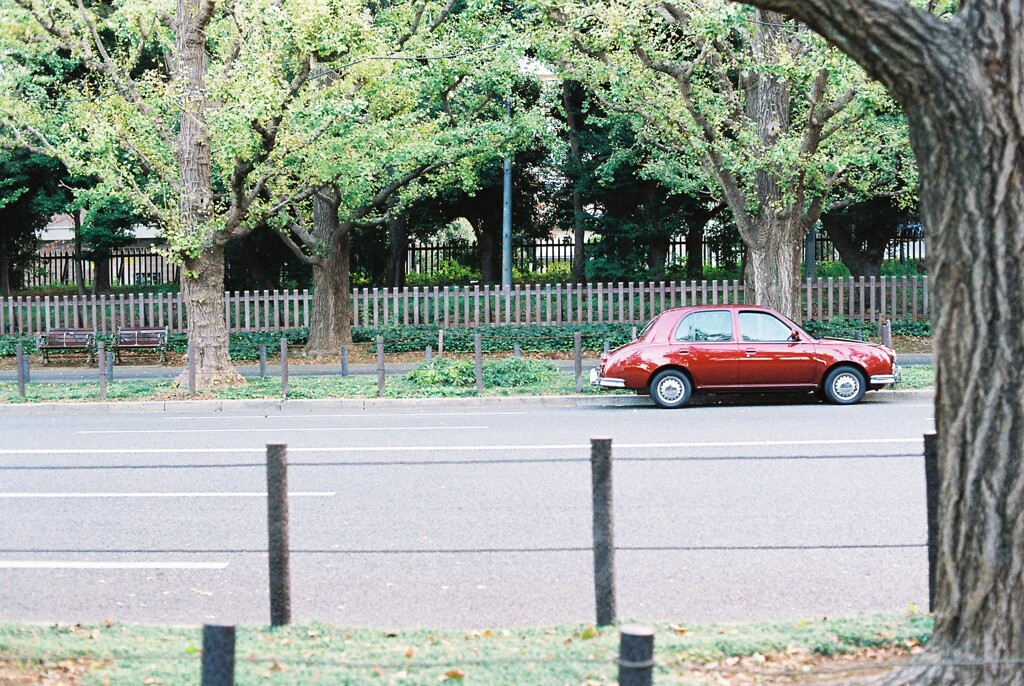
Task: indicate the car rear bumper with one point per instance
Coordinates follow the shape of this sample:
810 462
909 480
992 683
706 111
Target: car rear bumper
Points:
605 381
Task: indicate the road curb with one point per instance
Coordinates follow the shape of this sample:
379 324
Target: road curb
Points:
272 405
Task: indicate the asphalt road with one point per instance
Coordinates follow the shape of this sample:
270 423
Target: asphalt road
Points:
436 515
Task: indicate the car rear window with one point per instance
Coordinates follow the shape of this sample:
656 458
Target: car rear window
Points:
714 326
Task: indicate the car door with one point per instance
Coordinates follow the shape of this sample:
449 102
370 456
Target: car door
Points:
704 343
770 356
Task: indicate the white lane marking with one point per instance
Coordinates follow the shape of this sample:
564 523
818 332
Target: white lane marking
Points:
282 429
253 494
75 564
292 417
457 448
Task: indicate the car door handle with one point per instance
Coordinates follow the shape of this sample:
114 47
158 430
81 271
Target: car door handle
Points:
683 351
750 351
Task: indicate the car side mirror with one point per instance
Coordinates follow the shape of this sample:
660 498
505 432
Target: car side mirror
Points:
794 335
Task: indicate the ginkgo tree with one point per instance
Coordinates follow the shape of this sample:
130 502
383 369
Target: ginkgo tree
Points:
192 110
769 116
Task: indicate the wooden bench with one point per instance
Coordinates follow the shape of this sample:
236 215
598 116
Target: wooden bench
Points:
140 339
67 341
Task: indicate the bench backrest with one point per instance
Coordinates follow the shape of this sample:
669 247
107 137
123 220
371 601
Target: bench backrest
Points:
142 336
70 338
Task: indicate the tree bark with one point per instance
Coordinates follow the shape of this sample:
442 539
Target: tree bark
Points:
202 290
695 250
961 85
5 274
330 325
258 268
572 99
398 250
489 243
79 270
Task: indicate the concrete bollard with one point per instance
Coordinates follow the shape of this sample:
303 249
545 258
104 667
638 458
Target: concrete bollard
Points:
380 366
344 360
101 359
636 656
478 358
577 357
604 543
263 360
218 655
284 368
277 535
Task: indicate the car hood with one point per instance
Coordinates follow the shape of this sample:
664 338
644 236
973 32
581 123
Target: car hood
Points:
854 341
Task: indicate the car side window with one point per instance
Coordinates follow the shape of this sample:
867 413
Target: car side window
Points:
763 327
715 326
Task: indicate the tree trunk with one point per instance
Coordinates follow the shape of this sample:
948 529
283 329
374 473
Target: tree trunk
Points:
258 269
488 240
657 256
695 251
77 261
572 99
330 325
202 290
771 272
5 274
398 250
101 275
961 84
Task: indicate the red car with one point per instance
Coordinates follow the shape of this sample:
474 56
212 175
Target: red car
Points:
742 348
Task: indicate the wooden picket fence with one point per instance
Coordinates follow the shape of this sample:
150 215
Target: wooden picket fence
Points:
465 306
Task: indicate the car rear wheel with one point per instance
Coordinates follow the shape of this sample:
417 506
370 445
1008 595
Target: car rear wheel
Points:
844 386
670 389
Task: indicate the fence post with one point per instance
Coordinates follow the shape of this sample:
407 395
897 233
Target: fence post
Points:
440 342
218 655
604 545
577 356
284 367
277 534
428 353
633 334
19 365
380 366
887 333
517 351
636 656
110 366
191 368
263 360
344 360
26 361
932 486
101 359
478 358
607 348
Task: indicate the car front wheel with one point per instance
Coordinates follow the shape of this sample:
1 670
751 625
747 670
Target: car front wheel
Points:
844 386
670 389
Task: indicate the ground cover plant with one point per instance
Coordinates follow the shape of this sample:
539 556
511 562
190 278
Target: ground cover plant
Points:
112 653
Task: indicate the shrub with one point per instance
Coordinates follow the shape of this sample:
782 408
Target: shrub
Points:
444 371
516 372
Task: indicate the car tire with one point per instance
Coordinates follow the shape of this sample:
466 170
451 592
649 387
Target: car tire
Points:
671 389
844 386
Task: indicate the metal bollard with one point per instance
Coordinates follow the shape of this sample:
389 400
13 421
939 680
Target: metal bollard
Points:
578 360
218 655
604 542
380 366
517 351
607 347
19 367
263 360
25 360
284 367
101 359
277 535
887 333
478 355
110 366
428 353
344 360
636 656
191 368
932 485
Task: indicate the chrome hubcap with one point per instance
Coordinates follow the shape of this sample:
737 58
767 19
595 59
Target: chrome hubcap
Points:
670 390
846 386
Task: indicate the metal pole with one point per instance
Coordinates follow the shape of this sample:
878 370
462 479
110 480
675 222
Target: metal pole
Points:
263 360
517 351
506 220
604 544
19 365
284 367
440 343
636 656
428 353
191 368
110 366
932 488
277 535
26 360
810 259
380 366
101 358
478 358
218 655
344 360
607 347
577 357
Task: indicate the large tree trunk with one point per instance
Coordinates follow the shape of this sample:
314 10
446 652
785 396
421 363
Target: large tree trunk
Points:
258 268
5 274
488 240
695 251
202 290
330 325
961 84
202 279
77 261
398 250
772 269
572 99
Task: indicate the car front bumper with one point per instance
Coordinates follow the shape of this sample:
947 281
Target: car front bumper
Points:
886 379
605 381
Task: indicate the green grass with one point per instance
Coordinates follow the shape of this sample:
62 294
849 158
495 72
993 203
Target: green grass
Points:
533 377
320 654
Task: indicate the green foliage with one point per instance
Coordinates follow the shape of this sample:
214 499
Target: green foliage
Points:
535 338
448 273
9 345
519 372
841 327
245 346
444 372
